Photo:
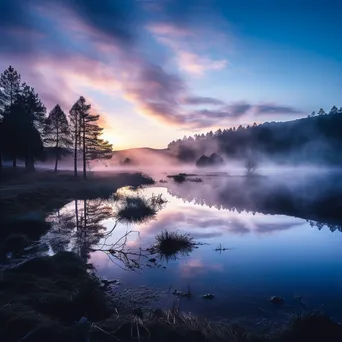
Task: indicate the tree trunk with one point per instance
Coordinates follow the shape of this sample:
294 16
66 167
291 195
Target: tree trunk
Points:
76 143
76 214
56 164
84 151
0 160
57 153
29 164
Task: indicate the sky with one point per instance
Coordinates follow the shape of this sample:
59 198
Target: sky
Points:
156 70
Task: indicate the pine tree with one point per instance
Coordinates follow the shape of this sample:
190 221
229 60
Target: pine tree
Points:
9 90
26 122
10 84
321 112
75 125
57 132
93 147
334 110
86 135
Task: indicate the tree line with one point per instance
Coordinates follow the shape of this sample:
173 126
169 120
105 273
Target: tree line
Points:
27 131
317 138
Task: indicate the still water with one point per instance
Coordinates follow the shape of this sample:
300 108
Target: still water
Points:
266 255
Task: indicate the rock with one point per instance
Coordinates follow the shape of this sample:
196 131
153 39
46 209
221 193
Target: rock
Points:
276 300
152 260
213 160
208 296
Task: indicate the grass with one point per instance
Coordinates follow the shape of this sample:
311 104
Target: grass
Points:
43 299
171 244
46 295
135 209
25 201
174 325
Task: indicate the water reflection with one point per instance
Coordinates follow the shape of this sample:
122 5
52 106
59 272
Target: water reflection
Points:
78 226
267 254
87 226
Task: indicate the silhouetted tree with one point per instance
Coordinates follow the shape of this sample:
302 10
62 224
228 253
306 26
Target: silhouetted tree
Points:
75 126
57 132
93 147
9 90
333 110
321 112
26 122
251 165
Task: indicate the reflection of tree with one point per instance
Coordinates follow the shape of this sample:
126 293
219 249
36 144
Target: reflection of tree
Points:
230 198
79 227
321 225
60 235
89 229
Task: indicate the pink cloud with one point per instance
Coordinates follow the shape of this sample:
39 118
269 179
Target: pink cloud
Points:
169 30
197 65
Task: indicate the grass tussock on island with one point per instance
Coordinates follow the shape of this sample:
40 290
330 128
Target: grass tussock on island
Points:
171 244
136 208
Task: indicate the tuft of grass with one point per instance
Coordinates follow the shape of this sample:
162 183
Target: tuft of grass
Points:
135 209
170 244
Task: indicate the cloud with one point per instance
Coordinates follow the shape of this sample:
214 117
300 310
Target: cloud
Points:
275 109
87 47
168 29
239 108
197 65
201 100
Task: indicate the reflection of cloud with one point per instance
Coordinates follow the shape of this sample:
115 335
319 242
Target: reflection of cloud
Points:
194 267
238 227
265 228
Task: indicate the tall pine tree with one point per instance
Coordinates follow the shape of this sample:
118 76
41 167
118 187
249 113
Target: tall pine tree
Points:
27 123
57 133
93 147
75 127
9 91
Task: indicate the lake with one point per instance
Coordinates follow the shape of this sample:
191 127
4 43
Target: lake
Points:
243 257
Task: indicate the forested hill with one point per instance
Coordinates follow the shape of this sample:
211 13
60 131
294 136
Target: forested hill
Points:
317 138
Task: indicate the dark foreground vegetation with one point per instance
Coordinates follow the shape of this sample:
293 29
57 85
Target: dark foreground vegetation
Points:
58 298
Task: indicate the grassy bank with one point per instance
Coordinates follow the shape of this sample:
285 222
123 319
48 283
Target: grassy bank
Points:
44 191
58 299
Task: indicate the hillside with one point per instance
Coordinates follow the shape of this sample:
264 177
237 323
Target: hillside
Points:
316 139
143 156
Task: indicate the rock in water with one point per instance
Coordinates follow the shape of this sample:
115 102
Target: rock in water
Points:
276 300
208 296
